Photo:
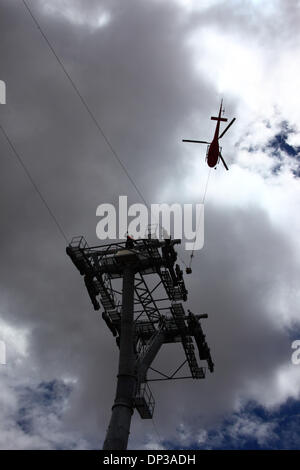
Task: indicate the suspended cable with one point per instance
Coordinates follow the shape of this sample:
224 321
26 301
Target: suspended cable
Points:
203 201
87 107
27 172
85 104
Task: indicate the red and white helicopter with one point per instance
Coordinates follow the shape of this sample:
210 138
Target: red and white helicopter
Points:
213 153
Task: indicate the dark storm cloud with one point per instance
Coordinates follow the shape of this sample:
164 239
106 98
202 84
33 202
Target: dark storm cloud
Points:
243 263
133 74
137 76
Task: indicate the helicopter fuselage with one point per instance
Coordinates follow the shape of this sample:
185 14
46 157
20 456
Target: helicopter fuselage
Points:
213 149
213 153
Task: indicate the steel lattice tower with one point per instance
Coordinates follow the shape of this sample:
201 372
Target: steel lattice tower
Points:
140 319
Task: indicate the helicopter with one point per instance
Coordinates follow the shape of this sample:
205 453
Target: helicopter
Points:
213 151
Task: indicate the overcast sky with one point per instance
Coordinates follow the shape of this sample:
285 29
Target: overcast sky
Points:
152 72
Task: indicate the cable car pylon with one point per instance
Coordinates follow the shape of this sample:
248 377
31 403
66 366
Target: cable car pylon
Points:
142 319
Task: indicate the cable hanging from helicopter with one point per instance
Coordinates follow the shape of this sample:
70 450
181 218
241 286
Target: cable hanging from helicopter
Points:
213 157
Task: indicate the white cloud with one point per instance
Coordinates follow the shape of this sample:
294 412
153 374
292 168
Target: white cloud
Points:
275 390
73 12
163 71
18 378
232 64
246 426
15 339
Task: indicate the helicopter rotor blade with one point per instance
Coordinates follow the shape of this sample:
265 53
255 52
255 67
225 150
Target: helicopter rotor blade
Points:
196 141
223 161
226 129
